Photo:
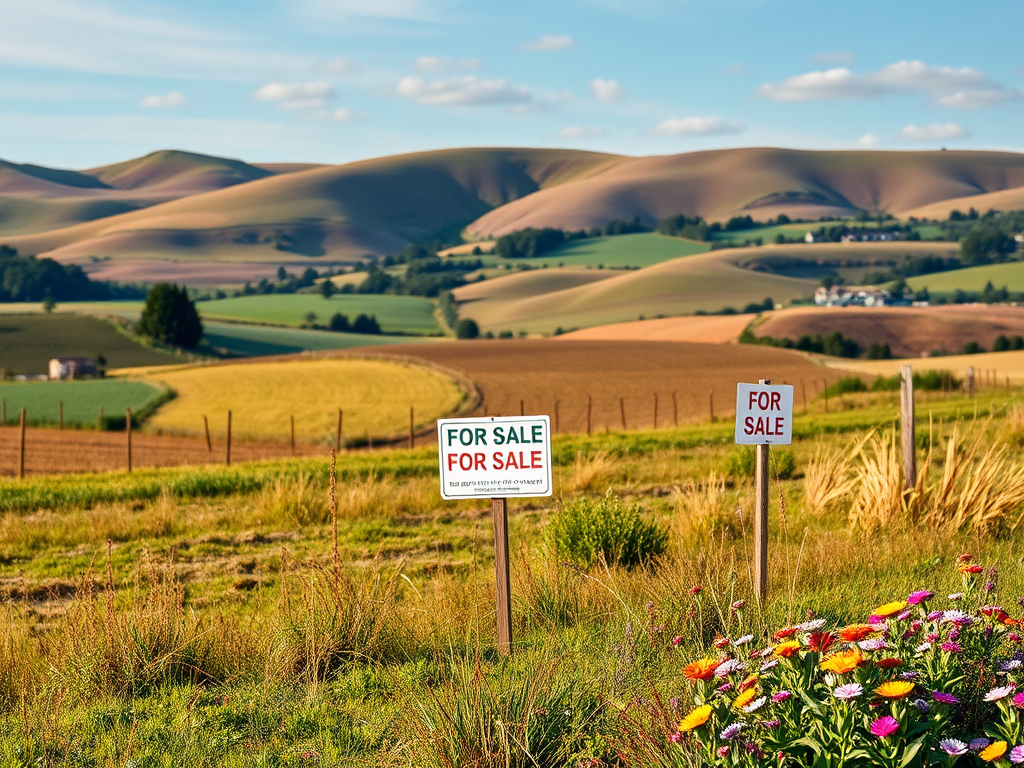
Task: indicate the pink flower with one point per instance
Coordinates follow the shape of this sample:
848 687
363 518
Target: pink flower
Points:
1018 701
884 726
674 737
999 693
921 596
951 647
783 695
945 698
677 640
723 751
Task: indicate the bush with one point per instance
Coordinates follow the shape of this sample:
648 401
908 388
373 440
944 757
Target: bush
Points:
585 531
366 325
170 316
467 329
742 462
339 323
846 385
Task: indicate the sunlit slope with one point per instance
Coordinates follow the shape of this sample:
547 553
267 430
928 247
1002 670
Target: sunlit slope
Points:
173 172
761 182
371 206
1003 200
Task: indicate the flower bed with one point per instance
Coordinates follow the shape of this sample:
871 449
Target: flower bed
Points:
915 685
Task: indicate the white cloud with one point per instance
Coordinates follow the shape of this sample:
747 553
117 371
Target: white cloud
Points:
172 99
697 126
934 132
440 64
607 91
833 57
868 140
297 96
548 43
340 66
468 91
963 88
339 10
346 115
582 132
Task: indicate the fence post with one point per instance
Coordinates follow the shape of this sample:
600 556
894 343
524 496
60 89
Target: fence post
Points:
293 433
206 431
556 412
337 434
761 518
128 434
622 411
21 446
412 430
970 381
907 425
227 453
675 410
711 403
655 410
590 404
499 518
61 415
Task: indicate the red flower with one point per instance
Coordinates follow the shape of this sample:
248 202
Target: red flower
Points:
889 663
721 642
820 641
782 634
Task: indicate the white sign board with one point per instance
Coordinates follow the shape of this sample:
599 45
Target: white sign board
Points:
495 457
764 414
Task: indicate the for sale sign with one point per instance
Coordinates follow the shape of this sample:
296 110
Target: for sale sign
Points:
495 457
764 414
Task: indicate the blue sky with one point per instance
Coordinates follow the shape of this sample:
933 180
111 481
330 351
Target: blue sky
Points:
89 82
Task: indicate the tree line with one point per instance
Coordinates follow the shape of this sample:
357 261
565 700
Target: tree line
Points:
28 278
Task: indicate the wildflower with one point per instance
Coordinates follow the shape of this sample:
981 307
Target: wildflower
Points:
723 751
738 605
677 640
696 718
769 664
889 609
945 698
702 669
953 747
843 662
743 640
971 569
921 596
1018 700
787 649
923 647
774 723
999 693
889 663
959 618
766 652
874 644
724 688
674 737
884 726
695 590
951 647
1013 637
895 689
727 667
915 625
856 632
811 626
783 695
903 615
820 641
754 749
931 637
747 682
783 634
744 698
1017 754
993 751
964 557
721 642
731 731
909 675
848 691
756 704
956 596
922 706
978 744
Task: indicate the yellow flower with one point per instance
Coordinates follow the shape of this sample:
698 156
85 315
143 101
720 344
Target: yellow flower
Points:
745 698
894 689
889 609
843 662
695 719
993 751
787 649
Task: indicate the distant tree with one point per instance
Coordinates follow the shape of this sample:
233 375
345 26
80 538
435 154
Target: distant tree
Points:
1001 344
171 316
827 282
49 304
366 324
328 288
340 323
878 351
972 348
281 275
467 328
310 318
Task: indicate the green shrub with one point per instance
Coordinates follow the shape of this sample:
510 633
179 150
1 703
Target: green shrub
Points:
585 531
926 380
846 385
742 462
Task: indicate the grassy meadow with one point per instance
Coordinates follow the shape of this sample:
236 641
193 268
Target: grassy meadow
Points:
243 340
972 279
617 252
237 617
375 396
83 400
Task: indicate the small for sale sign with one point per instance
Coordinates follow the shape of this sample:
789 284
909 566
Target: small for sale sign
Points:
495 457
764 414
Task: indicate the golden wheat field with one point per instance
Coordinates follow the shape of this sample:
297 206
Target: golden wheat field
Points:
374 395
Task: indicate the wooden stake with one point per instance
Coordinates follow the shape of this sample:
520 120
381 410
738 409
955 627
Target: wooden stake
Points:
293 434
337 434
655 410
412 429
824 390
907 425
206 430
590 408
622 411
675 411
499 518
227 453
1007 385
711 403
21 446
556 415
970 381
61 415
761 518
128 434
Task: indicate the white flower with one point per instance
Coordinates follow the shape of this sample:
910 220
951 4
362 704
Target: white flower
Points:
769 664
756 704
923 647
811 626
743 640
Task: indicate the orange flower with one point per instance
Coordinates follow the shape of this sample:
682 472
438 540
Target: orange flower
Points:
702 669
695 719
842 662
965 557
787 649
782 634
820 641
993 751
745 698
889 663
895 689
747 682
856 632
889 609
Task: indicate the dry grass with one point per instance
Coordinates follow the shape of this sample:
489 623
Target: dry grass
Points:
706 507
828 484
882 498
591 472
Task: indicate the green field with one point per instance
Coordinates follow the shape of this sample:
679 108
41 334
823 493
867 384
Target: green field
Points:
798 230
240 340
396 314
641 250
29 341
973 279
82 400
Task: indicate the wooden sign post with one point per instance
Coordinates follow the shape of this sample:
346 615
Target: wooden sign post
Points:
21 446
497 458
907 427
128 434
764 417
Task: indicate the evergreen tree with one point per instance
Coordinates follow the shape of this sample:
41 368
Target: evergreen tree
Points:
171 316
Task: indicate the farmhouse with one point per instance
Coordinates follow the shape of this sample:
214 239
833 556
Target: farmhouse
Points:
868 236
72 367
840 296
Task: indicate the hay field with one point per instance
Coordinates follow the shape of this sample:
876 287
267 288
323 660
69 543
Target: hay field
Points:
375 395
542 371
972 279
699 329
992 369
909 331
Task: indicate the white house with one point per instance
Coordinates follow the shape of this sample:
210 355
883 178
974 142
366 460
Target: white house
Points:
72 367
